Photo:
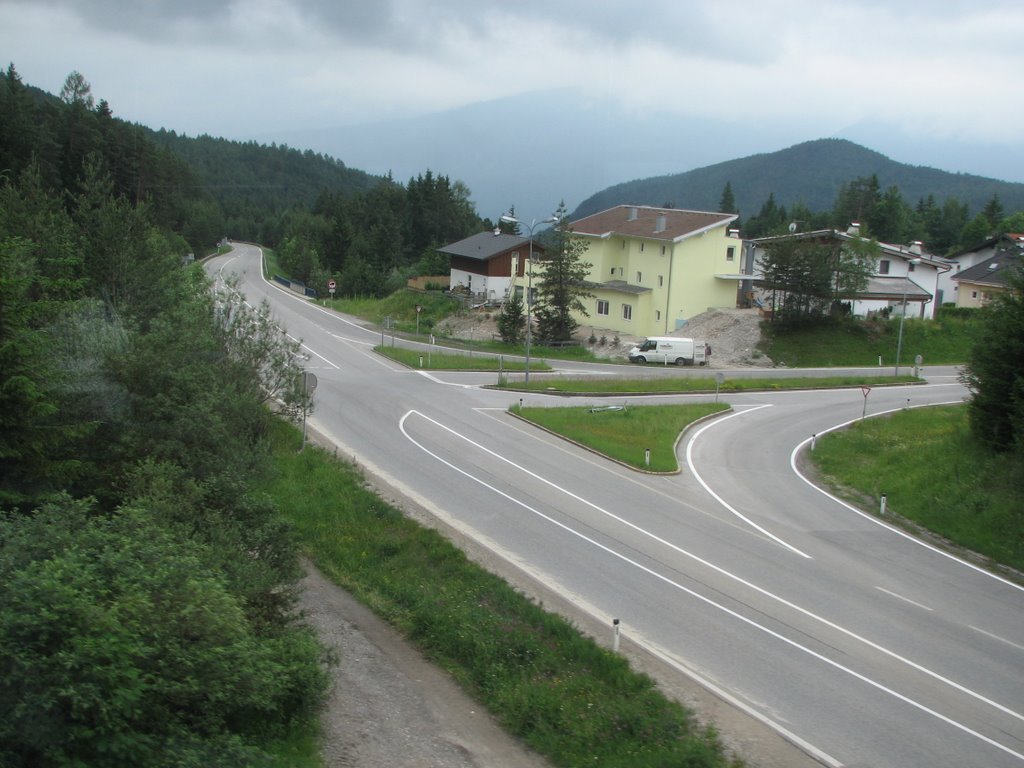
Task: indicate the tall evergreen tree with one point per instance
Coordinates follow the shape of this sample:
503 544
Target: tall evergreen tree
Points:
995 374
856 201
563 286
891 219
993 212
727 203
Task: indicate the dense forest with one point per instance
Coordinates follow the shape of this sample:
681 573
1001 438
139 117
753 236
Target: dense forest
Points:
148 590
255 185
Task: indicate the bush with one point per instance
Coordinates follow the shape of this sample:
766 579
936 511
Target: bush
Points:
947 311
119 647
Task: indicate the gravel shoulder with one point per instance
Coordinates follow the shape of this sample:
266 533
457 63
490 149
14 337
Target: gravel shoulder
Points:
391 708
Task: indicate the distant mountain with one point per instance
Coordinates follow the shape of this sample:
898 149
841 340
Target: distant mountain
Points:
535 149
810 173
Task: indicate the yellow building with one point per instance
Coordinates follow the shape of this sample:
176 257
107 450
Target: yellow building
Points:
655 268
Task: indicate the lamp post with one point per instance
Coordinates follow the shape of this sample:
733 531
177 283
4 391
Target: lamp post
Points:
903 316
510 219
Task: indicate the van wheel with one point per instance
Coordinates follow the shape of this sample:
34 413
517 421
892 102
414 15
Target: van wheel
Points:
641 359
680 361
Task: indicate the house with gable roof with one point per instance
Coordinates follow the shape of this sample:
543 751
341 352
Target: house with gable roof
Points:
490 265
980 283
977 285
901 274
652 269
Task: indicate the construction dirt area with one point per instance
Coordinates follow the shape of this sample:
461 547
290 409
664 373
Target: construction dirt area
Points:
733 335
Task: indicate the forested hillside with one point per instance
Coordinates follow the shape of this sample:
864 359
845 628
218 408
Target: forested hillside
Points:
147 588
814 183
56 136
255 184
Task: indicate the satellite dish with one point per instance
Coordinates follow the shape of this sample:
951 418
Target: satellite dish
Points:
792 227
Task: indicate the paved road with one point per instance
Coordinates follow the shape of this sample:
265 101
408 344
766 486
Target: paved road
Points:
861 644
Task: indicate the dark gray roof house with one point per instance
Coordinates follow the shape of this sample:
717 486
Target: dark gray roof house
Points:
490 254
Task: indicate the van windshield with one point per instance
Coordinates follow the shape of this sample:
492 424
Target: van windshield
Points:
648 345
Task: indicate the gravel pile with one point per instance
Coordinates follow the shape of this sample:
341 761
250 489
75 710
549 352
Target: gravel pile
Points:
733 335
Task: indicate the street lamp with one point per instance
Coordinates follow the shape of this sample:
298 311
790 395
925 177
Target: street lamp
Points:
903 316
510 219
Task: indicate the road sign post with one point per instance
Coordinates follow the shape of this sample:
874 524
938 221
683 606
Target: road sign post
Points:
865 391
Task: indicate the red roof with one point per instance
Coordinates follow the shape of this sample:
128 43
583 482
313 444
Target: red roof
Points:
654 223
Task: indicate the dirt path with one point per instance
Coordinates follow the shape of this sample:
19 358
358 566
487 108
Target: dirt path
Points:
389 707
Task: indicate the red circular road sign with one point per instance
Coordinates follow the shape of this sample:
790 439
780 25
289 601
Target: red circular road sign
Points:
331 284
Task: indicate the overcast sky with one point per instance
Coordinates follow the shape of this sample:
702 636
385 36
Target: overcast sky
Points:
947 70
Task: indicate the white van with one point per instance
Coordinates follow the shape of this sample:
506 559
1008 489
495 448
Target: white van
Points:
670 349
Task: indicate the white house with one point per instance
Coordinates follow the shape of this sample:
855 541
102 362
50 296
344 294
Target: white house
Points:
489 263
904 275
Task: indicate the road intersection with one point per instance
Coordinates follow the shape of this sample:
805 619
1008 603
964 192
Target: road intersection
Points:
854 640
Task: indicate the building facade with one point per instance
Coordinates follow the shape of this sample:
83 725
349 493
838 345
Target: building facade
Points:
652 269
968 286
905 277
490 264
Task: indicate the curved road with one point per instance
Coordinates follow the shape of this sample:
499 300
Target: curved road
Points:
855 641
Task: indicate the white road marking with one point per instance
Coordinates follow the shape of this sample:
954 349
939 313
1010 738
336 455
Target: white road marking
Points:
997 637
792 464
904 599
312 351
719 499
708 601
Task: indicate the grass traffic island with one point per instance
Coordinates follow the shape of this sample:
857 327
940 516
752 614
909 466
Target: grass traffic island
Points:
640 436
700 384
565 696
435 360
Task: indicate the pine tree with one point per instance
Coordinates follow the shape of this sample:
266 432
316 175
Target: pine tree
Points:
563 286
727 204
512 321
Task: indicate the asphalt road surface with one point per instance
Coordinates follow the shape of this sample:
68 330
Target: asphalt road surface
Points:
855 641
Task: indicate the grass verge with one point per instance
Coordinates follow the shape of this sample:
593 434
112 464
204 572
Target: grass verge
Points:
934 474
625 433
856 342
436 360
561 693
687 384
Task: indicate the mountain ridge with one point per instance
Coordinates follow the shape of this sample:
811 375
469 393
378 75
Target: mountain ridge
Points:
811 173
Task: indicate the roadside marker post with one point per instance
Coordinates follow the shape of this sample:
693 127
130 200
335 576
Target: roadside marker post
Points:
865 391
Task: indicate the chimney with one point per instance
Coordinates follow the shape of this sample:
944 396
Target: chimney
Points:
734 233
660 223
632 213
854 229
915 247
